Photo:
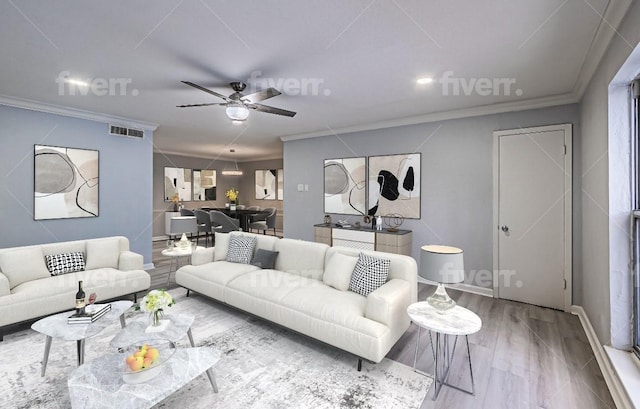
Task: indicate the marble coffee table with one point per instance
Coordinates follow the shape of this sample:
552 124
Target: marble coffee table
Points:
179 326
98 384
55 326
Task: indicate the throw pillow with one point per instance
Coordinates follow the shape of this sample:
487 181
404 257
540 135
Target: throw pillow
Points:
241 249
103 253
65 263
265 259
369 274
337 273
20 266
221 246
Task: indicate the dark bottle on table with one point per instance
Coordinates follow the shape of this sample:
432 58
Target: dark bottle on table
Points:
80 303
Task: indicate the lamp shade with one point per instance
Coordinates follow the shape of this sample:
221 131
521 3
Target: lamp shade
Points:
237 112
442 264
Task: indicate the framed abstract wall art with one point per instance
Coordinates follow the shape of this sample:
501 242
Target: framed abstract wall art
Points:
394 185
65 183
345 186
266 184
177 181
204 184
280 184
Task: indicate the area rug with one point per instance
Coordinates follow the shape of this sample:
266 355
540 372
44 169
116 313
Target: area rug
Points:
262 366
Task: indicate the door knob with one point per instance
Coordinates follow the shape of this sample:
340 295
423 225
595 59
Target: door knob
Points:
505 228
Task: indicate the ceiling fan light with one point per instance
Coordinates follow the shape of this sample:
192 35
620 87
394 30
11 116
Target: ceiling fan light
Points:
237 112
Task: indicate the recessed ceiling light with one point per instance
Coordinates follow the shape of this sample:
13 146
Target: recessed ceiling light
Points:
77 82
424 80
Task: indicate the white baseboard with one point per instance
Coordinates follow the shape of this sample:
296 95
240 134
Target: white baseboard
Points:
159 238
467 288
614 384
148 266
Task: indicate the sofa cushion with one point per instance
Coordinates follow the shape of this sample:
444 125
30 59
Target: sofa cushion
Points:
270 285
65 263
103 253
241 249
264 259
301 257
23 265
369 274
337 272
344 308
221 247
220 272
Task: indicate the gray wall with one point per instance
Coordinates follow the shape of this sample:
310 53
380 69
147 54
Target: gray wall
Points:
596 153
457 180
125 180
245 184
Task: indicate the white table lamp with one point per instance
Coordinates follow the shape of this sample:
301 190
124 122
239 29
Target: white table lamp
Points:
443 265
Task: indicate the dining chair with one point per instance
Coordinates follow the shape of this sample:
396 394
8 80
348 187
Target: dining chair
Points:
204 226
268 223
240 207
183 224
223 223
253 208
186 212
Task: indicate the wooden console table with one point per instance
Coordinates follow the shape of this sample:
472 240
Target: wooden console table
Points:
364 238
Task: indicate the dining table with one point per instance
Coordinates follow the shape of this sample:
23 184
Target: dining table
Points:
245 216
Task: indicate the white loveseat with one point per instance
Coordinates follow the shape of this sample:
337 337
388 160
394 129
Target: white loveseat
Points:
294 294
28 290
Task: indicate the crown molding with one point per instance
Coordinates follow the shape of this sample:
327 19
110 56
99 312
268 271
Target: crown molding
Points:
219 158
500 108
75 113
607 29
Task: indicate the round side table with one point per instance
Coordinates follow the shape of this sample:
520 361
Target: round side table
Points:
454 322
175 254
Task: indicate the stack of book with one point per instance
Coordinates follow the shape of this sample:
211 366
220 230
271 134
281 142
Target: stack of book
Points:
91 313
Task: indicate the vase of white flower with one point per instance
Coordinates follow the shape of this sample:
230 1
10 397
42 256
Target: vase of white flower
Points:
154 303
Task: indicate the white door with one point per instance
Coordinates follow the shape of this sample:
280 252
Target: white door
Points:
533 216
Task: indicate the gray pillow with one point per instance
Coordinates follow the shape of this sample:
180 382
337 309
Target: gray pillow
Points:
265 259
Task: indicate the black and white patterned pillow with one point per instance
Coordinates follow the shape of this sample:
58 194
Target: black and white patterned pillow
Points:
241 249
65 263
369 274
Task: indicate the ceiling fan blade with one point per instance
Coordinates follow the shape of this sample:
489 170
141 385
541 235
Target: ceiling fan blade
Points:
199 105
206 90
261 95
272 110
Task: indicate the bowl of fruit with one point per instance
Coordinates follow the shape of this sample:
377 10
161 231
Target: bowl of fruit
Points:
143 360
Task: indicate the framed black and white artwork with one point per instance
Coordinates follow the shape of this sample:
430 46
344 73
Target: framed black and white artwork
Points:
345 186
65 183
394 185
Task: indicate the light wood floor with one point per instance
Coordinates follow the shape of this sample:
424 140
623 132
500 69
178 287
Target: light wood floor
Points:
524 356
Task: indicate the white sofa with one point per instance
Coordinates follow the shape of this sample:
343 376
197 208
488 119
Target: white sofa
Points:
294 294
29 291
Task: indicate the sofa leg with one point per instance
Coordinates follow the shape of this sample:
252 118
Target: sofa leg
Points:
135 297
188 292
359 364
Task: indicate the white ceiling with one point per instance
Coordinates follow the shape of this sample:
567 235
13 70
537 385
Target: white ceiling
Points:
363 56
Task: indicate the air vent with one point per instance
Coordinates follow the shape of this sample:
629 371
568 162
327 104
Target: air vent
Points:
122 131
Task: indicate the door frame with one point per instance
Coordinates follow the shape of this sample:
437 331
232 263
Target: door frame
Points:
568 203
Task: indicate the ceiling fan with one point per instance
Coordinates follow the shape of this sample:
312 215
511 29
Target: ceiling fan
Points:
238 105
